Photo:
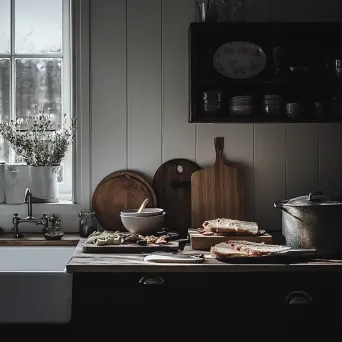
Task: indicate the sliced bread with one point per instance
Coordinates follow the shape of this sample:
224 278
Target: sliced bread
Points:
229 226
223 250
245 248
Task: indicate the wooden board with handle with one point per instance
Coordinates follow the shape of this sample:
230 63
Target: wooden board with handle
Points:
172 184
203 243
218 191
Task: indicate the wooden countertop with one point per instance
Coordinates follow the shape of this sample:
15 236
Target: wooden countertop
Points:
36 239
86 262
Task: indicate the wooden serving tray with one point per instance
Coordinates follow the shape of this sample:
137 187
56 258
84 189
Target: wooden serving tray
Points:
130 248
203 243
287 257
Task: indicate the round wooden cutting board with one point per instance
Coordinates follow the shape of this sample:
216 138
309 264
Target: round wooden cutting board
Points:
120 191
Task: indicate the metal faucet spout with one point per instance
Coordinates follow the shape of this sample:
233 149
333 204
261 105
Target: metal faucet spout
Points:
28 200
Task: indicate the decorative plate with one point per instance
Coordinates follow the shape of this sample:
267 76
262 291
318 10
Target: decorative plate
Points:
239 59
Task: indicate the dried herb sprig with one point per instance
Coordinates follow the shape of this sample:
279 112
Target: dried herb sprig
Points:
38 143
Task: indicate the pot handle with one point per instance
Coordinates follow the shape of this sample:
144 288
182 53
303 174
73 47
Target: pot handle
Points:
280 204
312 194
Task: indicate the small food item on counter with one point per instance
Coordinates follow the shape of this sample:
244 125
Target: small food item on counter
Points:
101 242
151 239
104 238
132 238
245 248
117 238
161 240
229 226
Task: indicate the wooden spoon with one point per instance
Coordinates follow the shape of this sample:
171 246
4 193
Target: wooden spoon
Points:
143 205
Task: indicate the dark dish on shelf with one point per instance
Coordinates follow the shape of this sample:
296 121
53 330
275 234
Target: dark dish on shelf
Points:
241 105
293 109
272 105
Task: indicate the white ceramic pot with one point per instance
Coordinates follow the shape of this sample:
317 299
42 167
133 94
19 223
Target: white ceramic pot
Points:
17 180
44 184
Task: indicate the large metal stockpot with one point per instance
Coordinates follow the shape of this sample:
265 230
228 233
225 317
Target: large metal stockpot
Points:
312 221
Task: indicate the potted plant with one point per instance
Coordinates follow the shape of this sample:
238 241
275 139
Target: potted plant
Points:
42 148
53 231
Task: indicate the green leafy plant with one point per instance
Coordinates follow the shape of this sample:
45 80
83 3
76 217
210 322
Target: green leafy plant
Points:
36 140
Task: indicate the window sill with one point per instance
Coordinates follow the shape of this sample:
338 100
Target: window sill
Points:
65 210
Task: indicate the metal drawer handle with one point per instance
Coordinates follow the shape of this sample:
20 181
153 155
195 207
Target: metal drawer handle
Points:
298 298
151 280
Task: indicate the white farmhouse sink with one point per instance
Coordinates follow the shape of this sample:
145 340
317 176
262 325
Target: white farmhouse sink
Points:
34 285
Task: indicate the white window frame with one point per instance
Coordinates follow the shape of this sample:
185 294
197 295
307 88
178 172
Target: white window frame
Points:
80 154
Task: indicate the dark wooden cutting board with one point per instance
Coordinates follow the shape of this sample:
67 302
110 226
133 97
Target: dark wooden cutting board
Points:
217 191
130 248
172 184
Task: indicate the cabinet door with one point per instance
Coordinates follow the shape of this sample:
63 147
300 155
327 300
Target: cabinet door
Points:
206 306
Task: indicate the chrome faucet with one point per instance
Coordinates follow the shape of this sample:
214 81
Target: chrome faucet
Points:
28 200
29 219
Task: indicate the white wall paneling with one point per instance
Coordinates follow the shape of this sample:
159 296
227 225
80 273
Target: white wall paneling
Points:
269 173
238 151
178 134
108 87
302 159
139 106
330 158
144 86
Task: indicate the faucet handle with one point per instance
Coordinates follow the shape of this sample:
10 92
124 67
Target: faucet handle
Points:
45 222
15 220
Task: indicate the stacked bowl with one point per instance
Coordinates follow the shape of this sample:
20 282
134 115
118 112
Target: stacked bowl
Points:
241 105
149 220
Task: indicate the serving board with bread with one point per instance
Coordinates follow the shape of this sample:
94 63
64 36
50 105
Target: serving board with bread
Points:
220 230
246 252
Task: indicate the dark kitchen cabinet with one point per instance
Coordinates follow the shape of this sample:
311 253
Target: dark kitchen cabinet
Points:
206 306
298 66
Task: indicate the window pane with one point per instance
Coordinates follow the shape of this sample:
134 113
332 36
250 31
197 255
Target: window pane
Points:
5 26
38 82
4 87
4 103
38 26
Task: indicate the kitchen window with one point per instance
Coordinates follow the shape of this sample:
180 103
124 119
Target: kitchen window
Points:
44 60
35 69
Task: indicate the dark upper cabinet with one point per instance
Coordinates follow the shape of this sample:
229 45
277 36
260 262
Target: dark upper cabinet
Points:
265 72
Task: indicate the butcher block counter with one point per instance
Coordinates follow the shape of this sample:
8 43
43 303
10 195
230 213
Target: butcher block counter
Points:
94 262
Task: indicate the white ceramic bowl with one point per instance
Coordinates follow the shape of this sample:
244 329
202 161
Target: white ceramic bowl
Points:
146 212
143 225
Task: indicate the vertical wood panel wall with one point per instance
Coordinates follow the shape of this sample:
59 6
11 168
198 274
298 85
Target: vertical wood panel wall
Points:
139 97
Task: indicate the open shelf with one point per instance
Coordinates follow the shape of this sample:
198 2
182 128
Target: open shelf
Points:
315 46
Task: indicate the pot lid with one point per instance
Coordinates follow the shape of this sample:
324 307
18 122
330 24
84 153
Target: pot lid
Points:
313 199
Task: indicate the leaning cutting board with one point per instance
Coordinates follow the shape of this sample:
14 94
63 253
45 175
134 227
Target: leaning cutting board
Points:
120 191
218 191
172 184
